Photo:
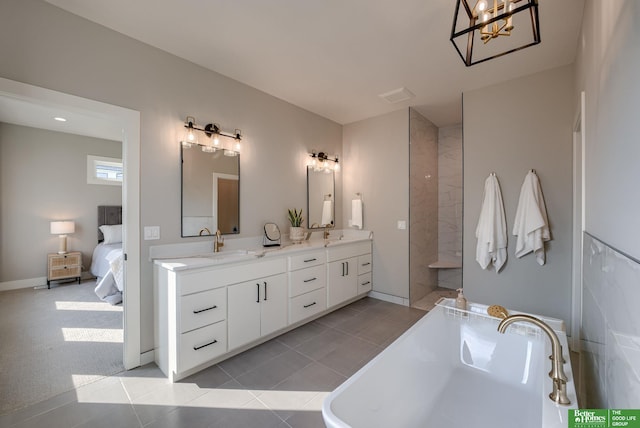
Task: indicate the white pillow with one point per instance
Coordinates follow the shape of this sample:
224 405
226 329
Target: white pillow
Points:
112 234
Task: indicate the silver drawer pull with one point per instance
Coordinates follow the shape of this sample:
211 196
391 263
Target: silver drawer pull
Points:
206 309
366 283
366 264
310 260
309 305
309 280
195 348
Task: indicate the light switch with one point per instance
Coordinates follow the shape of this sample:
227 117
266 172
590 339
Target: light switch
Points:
151 233
402 225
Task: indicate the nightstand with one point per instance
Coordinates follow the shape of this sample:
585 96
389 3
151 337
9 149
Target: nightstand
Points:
64 266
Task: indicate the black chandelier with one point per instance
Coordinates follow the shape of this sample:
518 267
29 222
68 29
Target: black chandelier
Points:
492 28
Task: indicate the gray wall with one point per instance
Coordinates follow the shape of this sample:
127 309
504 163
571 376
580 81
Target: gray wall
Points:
423 205
376 157
509 129
46 46
608 66
43 177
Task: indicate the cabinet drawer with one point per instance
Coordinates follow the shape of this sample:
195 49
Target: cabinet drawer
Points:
305 280
201 345
306 305
364 264
364 283
200 309
345 251
193 282
66 260
65 272
301 261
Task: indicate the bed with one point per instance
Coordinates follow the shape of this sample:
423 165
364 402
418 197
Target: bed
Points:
107 262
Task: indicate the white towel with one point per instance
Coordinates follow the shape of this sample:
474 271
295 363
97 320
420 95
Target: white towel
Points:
356 213
531 225
492 227
327 218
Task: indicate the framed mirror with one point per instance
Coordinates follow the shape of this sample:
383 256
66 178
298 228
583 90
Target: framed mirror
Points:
320 198
210 192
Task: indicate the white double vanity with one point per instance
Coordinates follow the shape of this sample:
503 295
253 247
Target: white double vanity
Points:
210 307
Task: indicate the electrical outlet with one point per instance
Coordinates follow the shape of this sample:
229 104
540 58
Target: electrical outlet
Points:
402 225
151 233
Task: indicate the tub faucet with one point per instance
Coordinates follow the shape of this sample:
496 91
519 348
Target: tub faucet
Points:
559 393
218 241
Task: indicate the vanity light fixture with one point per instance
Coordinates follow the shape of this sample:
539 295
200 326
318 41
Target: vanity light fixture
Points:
487 30
321 162
211 130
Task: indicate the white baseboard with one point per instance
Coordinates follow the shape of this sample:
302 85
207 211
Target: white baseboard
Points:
36 282
23 283
389 298
147 357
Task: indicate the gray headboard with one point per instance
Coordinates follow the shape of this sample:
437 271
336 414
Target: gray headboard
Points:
108 214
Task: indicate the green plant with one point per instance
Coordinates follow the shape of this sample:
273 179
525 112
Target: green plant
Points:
295 218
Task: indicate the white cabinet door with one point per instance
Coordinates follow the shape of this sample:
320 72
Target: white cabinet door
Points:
342 281
273 302
243 316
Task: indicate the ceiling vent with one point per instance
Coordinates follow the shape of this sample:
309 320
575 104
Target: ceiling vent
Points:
397 95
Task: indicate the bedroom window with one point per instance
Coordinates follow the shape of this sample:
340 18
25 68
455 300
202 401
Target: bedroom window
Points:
103 170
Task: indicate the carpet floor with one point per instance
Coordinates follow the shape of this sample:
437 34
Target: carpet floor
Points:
54 340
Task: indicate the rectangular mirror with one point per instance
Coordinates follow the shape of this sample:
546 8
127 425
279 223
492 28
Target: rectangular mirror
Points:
320 198
210 191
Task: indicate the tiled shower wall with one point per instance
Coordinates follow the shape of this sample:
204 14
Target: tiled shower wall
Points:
423 205
450 204
610 354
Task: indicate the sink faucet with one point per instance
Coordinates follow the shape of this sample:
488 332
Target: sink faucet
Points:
559 393
218 242
326 231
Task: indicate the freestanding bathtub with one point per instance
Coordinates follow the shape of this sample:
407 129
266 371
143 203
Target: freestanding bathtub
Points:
453 369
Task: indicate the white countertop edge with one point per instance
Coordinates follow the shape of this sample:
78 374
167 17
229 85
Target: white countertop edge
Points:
193 255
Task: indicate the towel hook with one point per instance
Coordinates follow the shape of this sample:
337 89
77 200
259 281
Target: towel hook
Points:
533 170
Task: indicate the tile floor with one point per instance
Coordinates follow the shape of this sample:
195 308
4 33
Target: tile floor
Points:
280 383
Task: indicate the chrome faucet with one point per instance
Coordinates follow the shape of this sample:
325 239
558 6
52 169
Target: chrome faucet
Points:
218 241
559 393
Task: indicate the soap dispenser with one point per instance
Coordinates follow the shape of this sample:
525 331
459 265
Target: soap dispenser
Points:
461 301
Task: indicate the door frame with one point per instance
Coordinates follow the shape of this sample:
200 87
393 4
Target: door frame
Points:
128 122
579 140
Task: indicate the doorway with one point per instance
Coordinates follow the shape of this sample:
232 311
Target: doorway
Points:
127 124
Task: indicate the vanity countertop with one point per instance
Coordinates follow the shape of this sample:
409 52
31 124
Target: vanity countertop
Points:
238 256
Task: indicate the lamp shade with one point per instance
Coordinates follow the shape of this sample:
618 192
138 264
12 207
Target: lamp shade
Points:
62 227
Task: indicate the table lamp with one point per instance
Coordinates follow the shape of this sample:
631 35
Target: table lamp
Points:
62 228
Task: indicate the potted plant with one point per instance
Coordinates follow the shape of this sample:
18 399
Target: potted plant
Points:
296 231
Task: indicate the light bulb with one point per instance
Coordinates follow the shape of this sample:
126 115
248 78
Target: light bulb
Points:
237 147
336 167
208 149
216 140
481 6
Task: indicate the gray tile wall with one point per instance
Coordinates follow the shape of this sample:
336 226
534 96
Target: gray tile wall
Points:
610 336
450 203
423 205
